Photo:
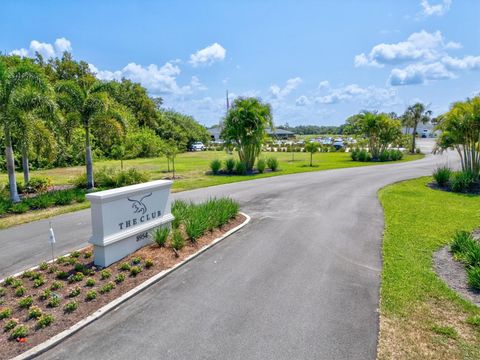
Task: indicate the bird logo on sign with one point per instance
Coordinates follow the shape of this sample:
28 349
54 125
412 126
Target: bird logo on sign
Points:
138 206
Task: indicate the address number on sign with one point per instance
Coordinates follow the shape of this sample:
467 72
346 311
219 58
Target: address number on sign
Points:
143 236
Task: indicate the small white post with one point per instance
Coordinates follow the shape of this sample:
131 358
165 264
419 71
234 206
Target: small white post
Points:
51 240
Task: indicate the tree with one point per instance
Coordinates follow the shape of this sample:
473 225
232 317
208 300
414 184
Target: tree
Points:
171 150
413 116
461 131
379 129
311 147
91 104
245 126
21 88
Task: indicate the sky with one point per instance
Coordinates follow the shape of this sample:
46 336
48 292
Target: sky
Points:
315 62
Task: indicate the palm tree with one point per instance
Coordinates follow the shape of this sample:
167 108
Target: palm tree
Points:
88 100
413 116
21 89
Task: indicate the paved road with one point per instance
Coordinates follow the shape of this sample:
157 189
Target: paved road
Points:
301 281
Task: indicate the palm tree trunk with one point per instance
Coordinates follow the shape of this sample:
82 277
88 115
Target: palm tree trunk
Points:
88 159
11 166
25 166
413 139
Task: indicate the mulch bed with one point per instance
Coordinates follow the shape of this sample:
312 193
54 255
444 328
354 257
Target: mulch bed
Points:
163 258
454 274
474 191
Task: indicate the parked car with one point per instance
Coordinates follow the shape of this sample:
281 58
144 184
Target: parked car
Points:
197 146
424 134
338 144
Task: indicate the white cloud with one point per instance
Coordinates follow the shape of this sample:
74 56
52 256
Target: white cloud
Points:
435 9
465 63
291 84
370 96
302 101
324 84
208 55
419 46
419 74
157 80
47 50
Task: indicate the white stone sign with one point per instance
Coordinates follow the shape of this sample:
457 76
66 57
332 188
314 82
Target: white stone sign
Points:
123 218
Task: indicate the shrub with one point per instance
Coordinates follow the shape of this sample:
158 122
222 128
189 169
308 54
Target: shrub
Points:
384 156
44 321
240 168
105 274
5 313
472 255
74 292
37 184
20 291
462 181
19 208
111 177
91 295
77 277
178 242
272 163
62 275
148 263
56 285
70 306
10 324
474 277
34 312
442 175
160 235
75 254
16 283
46 294
26 302
90 282
180 211
474 320
261 165
215 165
38 282
61 260
125 266
54 301
9 280
2 291
28 274
135 270
43 266
18 332
107 288
229 165
119 278
354 154
136 260
87 254
195 226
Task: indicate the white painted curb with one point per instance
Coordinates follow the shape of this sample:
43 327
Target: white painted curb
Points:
50 343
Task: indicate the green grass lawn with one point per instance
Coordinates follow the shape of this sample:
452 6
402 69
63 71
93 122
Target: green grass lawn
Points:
421 318
191 170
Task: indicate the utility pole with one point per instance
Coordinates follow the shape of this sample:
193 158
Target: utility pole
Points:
228 103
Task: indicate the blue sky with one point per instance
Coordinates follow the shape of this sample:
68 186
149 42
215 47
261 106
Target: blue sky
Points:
316 62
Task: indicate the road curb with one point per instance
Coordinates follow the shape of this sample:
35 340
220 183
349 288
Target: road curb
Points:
57 339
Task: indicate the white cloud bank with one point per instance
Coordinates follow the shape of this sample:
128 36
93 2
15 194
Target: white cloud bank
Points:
278 93
47 50
437 9
208 55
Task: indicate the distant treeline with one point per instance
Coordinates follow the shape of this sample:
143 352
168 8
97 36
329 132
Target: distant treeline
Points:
313 129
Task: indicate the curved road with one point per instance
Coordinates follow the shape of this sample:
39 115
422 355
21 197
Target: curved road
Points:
301 281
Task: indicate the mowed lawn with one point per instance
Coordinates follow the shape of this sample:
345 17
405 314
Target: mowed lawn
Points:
191 168
421 318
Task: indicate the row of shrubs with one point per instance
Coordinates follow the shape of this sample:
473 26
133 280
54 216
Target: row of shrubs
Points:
466 249
196 220
240 168
456 181
386 155
105 178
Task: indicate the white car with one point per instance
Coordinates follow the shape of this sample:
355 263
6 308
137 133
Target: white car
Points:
197 146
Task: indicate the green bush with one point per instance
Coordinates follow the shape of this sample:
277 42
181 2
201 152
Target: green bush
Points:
34 312
462 181
135 270
272 163
136 260
20 291
462 241
77 277
5 313
215 165
195 226
37 184
474 277
20 331
3 291
149 263
384 156
125 266
240 168
54 301
472 254
160 235
229 165
261 165
178 242
108 177
180 211
43 266
354 154
70 306
16 283
44 321
26 302
10 324
46 294
74 292
91 295
38 282
19 208
119 278
442 175
107 288
90 282
105 274
56 285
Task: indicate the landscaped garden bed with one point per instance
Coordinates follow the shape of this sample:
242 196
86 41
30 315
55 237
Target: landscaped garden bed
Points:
43 302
